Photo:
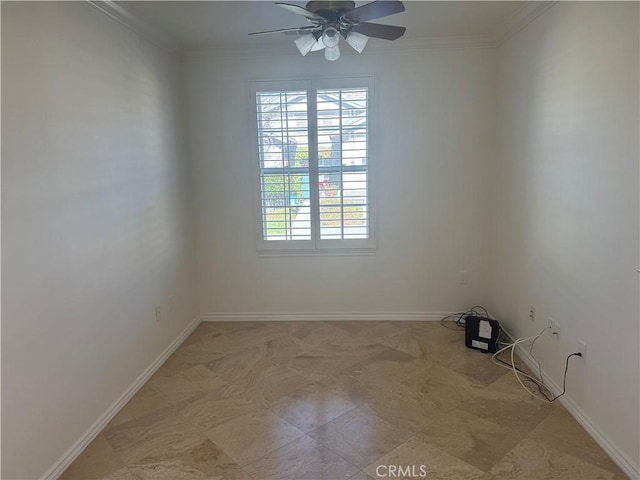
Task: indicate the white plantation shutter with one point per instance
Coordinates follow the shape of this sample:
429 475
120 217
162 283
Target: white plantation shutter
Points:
283 146
342 163
314 164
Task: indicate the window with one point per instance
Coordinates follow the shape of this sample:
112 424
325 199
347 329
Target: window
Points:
313 164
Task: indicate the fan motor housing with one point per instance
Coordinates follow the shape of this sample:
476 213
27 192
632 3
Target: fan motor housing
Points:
326 8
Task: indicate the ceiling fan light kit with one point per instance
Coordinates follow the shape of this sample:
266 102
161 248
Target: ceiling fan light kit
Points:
331 20
305 43
332 53
357 40
330 37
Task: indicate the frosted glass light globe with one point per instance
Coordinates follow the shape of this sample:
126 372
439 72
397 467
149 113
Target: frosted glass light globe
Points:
330 37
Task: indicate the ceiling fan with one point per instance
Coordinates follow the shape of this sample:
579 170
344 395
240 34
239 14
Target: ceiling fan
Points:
332 19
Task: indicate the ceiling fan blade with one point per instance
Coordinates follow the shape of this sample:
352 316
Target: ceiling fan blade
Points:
302 11
376 30
373 10
301 30
286 30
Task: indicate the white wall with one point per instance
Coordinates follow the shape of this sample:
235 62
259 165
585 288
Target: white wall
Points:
433 141
97 216
566 201
96 222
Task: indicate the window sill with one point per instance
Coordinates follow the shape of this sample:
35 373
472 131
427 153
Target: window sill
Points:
327 252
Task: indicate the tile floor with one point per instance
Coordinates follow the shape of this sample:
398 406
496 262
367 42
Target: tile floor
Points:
337 400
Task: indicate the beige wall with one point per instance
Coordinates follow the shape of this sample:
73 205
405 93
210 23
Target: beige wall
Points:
565 234
96 222
433 137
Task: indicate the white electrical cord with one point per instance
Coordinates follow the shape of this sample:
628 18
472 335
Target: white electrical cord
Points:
509 345
515 371
513 346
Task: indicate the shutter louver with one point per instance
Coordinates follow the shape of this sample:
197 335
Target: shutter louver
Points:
283 143
342 163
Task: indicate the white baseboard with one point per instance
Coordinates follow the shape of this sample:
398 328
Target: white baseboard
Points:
315 317
76 449
617 455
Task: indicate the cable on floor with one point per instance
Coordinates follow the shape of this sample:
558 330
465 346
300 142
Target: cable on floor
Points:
539 382
478 310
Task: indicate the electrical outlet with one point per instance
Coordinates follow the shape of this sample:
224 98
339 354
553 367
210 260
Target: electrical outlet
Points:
158 314
582 348
532 313
555 327
464 277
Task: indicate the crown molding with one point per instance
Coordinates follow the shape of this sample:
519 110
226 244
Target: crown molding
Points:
133 23
512 24
506 28
397 46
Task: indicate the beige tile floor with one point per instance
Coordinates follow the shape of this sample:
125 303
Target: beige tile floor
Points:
337 400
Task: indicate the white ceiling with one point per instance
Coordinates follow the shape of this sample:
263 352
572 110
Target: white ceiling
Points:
214 24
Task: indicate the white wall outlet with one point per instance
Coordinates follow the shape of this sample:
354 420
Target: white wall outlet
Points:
532 313
464 277
555 327
158 314
582 348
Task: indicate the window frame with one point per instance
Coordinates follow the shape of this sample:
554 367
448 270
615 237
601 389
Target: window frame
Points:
316 245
